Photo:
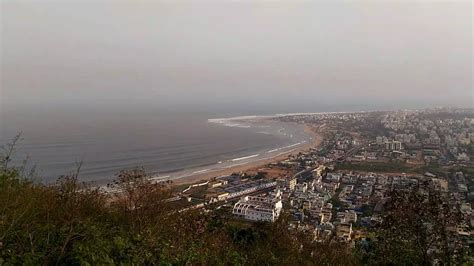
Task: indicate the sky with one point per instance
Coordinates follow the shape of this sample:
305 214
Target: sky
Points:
265 55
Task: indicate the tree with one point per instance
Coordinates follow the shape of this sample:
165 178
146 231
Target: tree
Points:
139 199
418 228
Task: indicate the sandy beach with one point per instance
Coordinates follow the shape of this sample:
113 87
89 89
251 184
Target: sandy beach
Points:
255 165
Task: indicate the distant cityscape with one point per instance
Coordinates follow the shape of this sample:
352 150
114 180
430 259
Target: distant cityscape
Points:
339 189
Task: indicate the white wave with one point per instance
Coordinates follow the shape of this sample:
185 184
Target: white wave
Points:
285 152
235 121
237 118
286 147
274 150
248 117
244 158
237 125
159 177
296 144
231 124
293 145
201 171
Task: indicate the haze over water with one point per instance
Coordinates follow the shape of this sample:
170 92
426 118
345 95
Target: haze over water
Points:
108 142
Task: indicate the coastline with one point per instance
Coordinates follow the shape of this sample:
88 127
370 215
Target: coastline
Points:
253 165
308 136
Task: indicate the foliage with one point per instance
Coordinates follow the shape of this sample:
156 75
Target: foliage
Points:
418 228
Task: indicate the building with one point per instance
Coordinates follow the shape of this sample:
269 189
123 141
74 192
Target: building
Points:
301 187
245 188
259 208
217 183
344 231
289 183
319 171
379 140
393 145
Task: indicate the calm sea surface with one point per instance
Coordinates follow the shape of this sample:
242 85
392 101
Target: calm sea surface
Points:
163 143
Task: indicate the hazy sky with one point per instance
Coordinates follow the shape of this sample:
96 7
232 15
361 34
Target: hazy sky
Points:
274 54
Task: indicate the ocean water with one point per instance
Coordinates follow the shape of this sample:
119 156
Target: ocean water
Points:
165 144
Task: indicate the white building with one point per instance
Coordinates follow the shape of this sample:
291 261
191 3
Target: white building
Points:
379 140
259 208
393 145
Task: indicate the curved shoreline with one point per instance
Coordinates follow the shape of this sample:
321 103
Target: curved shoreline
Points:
197 176
309 138
301 135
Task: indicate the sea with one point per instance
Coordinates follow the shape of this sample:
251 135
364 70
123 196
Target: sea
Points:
169 145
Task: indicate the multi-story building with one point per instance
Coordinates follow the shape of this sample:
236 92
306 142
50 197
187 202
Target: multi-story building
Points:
259 208
289 183
393 145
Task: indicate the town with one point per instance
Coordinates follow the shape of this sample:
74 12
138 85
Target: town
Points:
338 190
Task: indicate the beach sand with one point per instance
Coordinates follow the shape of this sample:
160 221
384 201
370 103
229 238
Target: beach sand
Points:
254 166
